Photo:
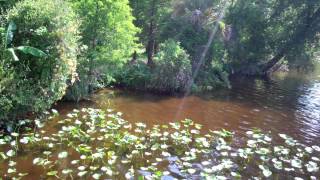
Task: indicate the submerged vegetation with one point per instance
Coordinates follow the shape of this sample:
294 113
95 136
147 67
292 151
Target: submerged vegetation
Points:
97 144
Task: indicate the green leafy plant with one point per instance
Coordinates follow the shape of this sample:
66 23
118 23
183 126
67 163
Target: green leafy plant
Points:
25 49
40 48
172 71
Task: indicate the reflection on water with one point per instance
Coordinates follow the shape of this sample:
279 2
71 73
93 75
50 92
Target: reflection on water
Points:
288 103
308 113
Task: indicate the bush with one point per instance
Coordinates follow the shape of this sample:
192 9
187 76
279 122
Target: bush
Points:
39 81
135 76
5 80
212 77
172 70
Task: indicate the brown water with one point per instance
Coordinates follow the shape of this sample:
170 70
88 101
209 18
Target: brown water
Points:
287 103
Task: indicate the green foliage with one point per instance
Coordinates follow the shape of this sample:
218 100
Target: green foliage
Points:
142 11
107 29
212 77
80 88
43 37
12 27
172 70
135 76
6 76
6 4
261 31
86 81
109 34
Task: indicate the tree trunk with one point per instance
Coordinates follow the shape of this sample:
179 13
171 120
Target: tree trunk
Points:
93 46
134 58
151 35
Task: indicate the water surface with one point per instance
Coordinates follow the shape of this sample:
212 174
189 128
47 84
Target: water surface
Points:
286 103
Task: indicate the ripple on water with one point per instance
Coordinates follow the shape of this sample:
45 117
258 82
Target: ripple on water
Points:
308 111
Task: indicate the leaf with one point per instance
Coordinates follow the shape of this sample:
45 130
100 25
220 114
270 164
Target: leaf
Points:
9 36
11 153
52 173
62 155
14 56
222 25
31 50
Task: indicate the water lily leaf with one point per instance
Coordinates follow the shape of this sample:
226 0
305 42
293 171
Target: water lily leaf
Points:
312 166
81 168
36 161
96 176
298 178
24 140
277 164
316 148
263 151
82 173
62 155
236 175
309 150
75 162
22 174
265 171
11 170
67 171
11 153
297 163
191 171
12 163
52 173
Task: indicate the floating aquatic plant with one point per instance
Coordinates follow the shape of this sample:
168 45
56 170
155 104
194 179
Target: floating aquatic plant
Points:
96 144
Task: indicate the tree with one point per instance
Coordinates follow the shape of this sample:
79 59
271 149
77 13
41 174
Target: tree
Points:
264 29
151 17
40 51
107 28
6 5
109 35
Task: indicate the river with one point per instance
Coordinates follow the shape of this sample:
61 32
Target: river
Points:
286 103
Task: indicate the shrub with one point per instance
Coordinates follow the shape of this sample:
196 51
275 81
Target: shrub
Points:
212 77
5 80
39 81
135 76
172 70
